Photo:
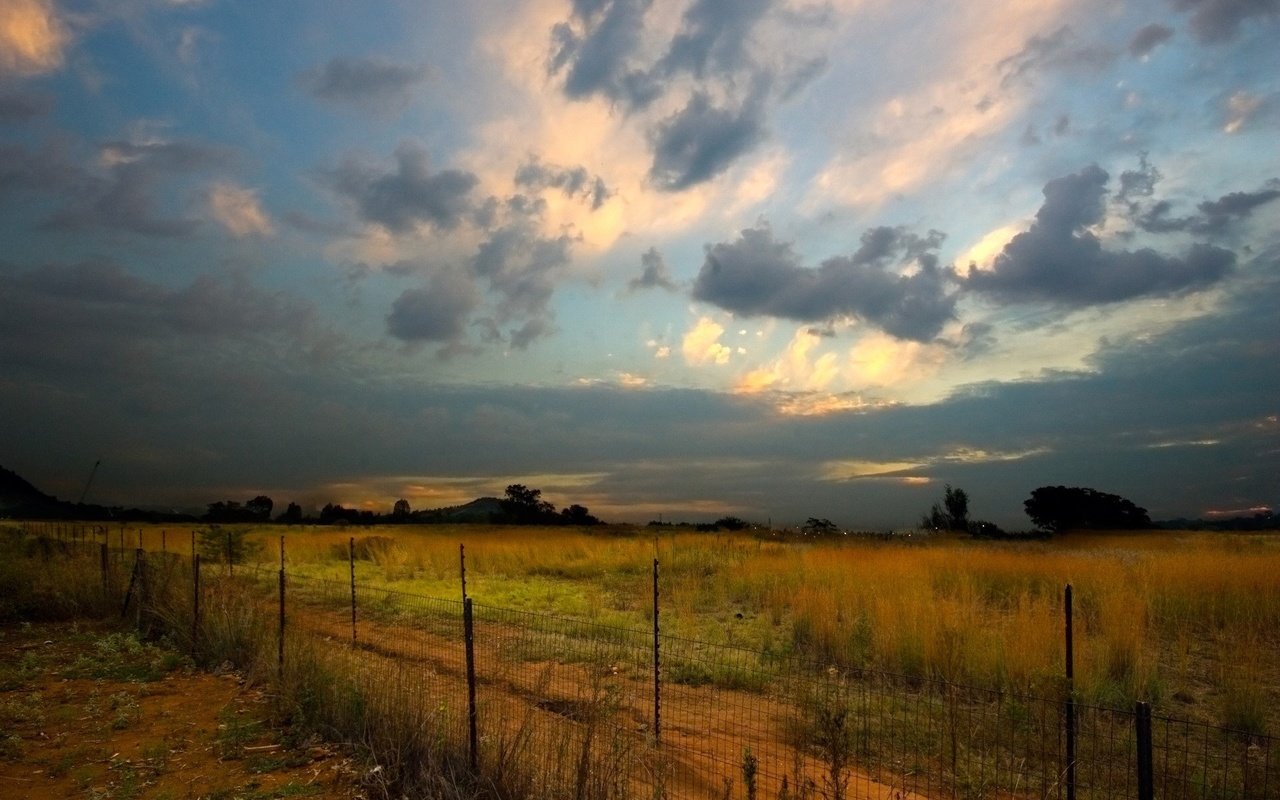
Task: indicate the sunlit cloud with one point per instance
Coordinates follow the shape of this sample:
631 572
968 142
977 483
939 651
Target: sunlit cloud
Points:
239 211
701 345
852 470
32 37
917 137
1240 107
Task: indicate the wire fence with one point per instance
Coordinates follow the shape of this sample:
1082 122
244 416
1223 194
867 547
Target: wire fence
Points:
562 707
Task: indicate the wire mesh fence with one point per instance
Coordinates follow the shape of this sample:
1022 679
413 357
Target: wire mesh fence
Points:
559 707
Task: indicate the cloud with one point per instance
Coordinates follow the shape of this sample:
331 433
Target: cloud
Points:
1218 21
365 84
654 273
1057 51
1148 38
437 312
96 316
714 35
1059 261
575 182
32 37
595 48
1239 109
239 211
701 141
127 197
18 106
1215 217
407 197
701 344
757 275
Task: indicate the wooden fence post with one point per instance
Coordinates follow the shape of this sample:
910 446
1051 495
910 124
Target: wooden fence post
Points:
1071 699
657 671
468 637
351 557
1146 775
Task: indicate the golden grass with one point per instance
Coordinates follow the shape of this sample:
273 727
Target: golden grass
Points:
1158 614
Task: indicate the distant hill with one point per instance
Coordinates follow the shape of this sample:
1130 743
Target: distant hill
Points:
482 509
18 496
20 500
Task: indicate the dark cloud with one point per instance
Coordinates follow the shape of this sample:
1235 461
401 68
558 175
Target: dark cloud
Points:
1214 21
96 316
701 141
20 106
407 197
1214 217
1148 38
367 84
1059 261
596 55
137 174
347 420
653 273
437 312
48 169
574 182
521 266
1059 50
757 275
714 35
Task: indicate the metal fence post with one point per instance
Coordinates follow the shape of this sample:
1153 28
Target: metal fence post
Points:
1071 700
280 651
351 558
462 568
195 603
657 671
468 638
1142 728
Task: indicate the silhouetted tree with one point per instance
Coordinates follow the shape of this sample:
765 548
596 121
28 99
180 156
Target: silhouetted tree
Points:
578 515
526 506
292 515
731 523
259 507
952 515
816 526
401 509
1061 508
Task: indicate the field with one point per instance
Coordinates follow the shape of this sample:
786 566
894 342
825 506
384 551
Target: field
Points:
1189 621
946 655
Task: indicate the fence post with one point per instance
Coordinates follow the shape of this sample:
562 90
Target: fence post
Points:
142 586
1071 700
230 569
1142 727
280 651
468 638
462 568
195 602
106 575
351 558
657 671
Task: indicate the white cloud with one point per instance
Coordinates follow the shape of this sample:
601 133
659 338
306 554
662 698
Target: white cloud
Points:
239 211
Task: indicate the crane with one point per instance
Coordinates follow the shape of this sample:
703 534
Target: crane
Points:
89 482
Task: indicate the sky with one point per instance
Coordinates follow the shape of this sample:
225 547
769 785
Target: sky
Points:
675 259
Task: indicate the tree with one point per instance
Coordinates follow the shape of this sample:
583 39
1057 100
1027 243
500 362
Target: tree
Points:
952 515
957 504
1062 508
819 526
292 515
259 507
578 515
526 506
401 509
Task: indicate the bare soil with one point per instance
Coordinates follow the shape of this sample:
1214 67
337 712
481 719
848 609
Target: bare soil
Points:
89 713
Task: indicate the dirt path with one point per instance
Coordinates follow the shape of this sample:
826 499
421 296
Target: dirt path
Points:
87 713
525 682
